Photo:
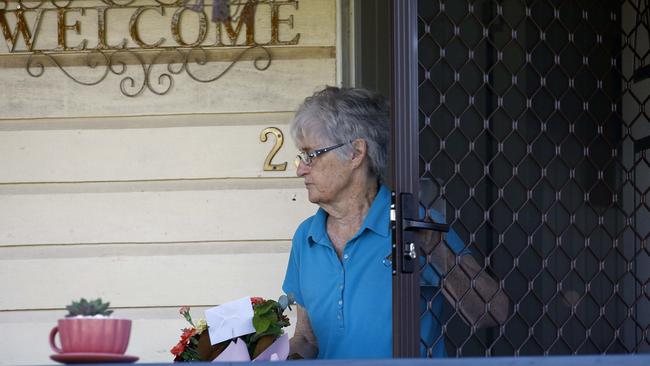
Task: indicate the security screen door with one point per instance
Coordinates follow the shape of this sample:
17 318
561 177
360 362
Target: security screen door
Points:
524 123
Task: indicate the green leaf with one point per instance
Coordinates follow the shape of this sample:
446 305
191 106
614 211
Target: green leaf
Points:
261 324
264 308
274 329
272 316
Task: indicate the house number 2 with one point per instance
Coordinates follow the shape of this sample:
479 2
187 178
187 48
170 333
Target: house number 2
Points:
279 141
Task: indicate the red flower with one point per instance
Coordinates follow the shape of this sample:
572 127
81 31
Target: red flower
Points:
187 333
178 348
183 310
256 300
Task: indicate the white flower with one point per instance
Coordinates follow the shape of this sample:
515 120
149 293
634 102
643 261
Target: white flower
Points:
201 325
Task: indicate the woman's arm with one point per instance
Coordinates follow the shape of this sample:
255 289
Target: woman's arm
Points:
466 285
303 343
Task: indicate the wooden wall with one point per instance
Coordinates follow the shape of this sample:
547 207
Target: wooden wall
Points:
151 202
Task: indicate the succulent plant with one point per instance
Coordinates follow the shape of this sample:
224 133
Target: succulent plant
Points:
88 308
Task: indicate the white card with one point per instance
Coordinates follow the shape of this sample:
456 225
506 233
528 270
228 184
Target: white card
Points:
230 320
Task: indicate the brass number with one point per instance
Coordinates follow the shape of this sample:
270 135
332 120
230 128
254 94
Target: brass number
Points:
279 140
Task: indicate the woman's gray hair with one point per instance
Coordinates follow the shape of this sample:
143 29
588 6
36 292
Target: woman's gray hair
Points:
337 115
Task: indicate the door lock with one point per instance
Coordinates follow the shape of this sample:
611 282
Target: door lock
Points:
409 251
410 225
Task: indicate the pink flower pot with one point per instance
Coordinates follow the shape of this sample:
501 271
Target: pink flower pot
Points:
91 335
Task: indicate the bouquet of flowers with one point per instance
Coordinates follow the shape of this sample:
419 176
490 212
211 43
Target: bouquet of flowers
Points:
268 322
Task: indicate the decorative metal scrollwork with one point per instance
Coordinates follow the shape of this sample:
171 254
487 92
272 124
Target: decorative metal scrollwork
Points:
264 61
115 62
158 64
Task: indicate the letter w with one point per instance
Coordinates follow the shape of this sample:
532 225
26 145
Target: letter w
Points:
21 27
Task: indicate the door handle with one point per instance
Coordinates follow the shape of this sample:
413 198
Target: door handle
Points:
409 226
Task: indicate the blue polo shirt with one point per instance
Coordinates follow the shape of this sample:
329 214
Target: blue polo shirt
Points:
349 301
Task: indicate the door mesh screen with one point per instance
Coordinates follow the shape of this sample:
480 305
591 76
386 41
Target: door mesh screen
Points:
532 119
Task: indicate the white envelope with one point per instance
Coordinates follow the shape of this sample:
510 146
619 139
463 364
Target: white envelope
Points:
230 320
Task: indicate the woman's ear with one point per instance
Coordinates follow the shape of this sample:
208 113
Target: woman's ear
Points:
359 151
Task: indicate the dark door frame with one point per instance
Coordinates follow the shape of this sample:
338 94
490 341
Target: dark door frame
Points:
404 162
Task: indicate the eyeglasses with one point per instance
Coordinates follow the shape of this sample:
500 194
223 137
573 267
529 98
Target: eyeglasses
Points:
308 157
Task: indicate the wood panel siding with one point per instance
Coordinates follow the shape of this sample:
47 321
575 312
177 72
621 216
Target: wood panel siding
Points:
143 148
155 201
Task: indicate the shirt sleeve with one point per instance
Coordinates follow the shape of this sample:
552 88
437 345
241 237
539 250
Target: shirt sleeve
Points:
455 242
428 275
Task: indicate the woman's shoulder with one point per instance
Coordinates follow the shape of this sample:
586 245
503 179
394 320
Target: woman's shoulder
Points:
312 228
305 225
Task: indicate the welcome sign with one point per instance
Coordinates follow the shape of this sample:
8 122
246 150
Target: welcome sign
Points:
130 23
109 35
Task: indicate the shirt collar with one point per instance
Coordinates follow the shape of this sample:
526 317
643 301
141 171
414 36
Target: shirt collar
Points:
376 220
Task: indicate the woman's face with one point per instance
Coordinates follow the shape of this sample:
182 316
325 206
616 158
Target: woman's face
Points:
327 175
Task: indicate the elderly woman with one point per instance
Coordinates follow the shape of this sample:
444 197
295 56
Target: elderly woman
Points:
339 269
